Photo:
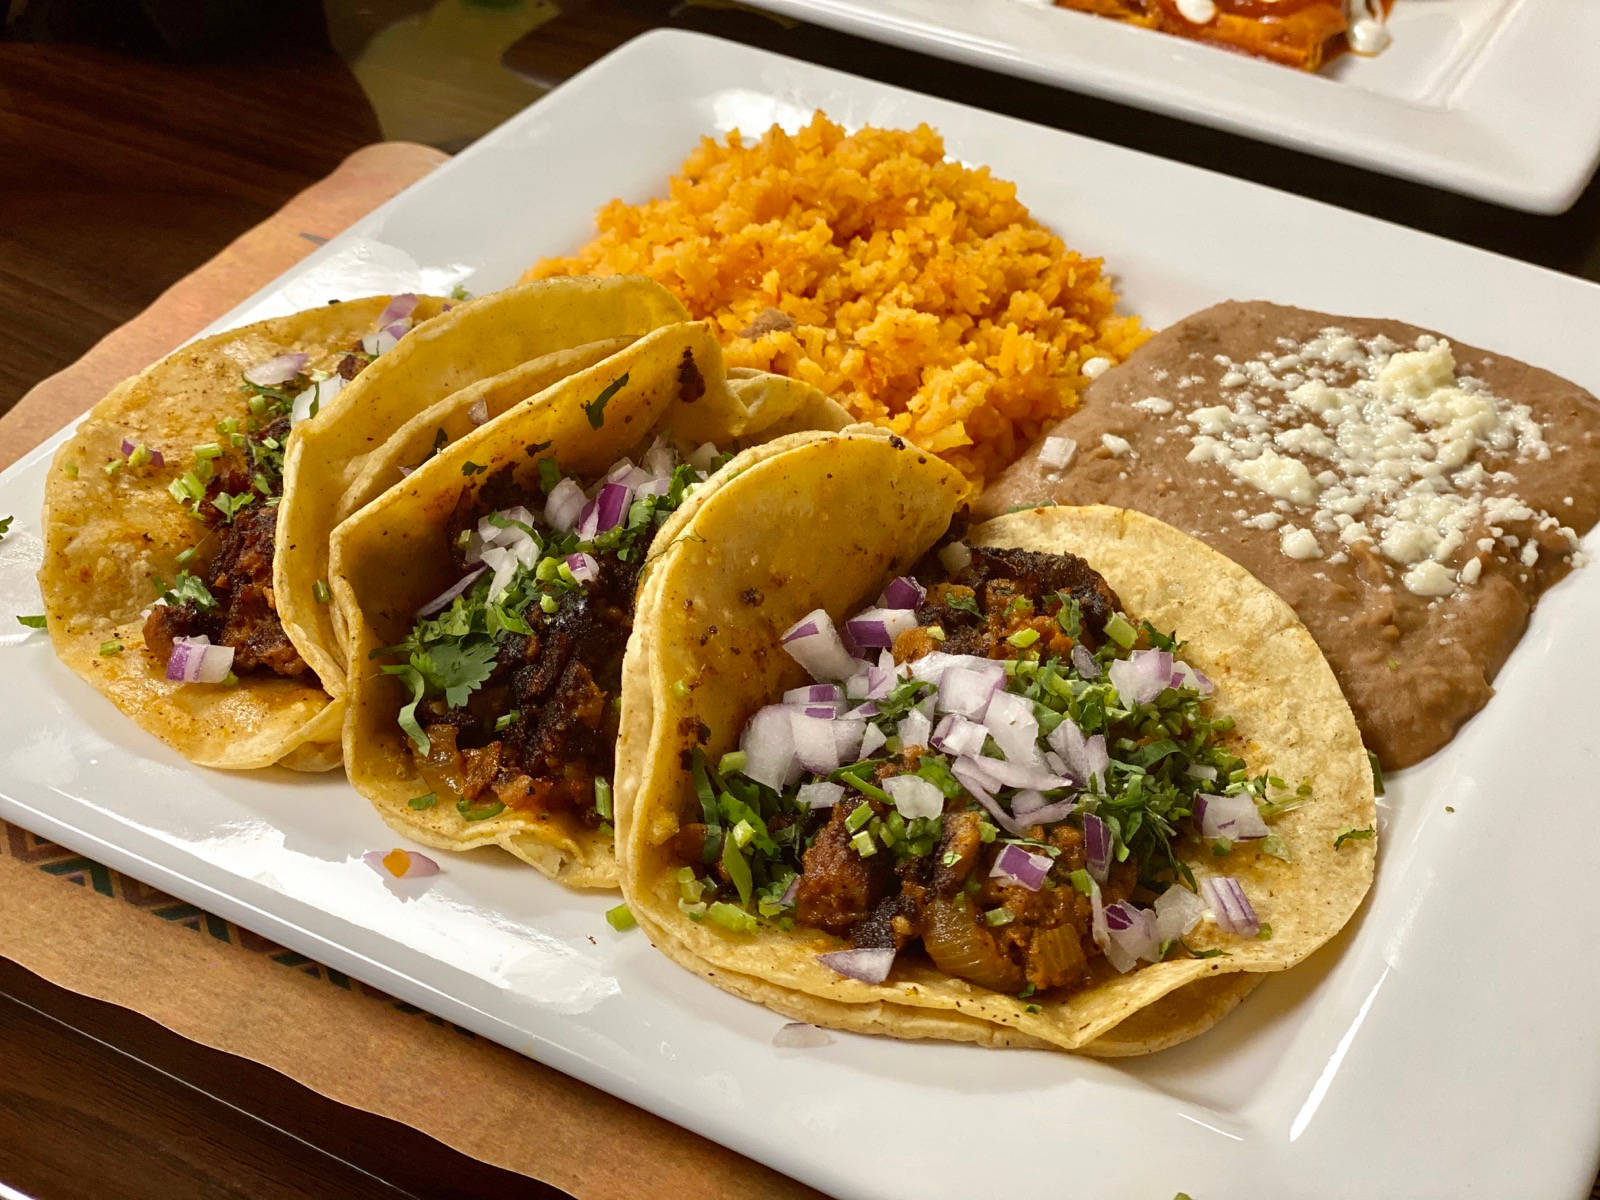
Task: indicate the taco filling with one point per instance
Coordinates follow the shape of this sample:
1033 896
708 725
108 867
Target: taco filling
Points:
222 622
515 671
1007 791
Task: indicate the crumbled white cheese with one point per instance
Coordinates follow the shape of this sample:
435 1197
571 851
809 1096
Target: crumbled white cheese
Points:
1265 520
1116 446
1376 442
1057 452
1471 570
1154 404
1095 367
1298 543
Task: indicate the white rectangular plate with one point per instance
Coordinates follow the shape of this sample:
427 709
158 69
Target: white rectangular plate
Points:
1492 98
1444 1046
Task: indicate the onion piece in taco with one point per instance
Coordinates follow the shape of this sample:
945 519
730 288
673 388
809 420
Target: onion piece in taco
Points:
160 519
489 597
993 799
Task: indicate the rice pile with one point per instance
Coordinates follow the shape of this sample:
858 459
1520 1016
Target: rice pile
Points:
917 292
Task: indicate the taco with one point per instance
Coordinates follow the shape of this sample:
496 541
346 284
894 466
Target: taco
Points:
166 495
1074 781
488 597
480 358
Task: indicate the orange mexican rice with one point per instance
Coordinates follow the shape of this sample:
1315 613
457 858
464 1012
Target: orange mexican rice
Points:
918 292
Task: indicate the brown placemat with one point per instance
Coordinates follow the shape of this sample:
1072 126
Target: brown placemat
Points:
225 987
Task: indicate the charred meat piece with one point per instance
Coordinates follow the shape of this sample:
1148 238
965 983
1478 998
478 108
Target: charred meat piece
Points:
838 888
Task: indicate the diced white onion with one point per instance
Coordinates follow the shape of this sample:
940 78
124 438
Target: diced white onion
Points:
914 796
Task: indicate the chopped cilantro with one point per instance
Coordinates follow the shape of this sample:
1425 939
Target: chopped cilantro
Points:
483 813
1121 631
1377 773
602 797
1193 953
1265 933
111 647
424 801
319 591
1023 638
459 292
549 475
595 410
186 589
507 719
5 525
69 469
620 918
32 622
1353 835
966 603
1276 847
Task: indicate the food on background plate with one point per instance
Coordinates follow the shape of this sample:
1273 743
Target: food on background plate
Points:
1298 33
167 495
488 596
1410 497
915 290
996 799
479 359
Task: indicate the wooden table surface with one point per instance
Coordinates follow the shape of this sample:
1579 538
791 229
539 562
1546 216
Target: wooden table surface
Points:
130 157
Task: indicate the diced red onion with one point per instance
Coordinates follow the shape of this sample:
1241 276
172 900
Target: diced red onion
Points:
967 692
320 393
1096 846
417 866
157 459
378 343
703 456
1186 676
653 487
970 777
813 742
1097 919
1021 775
814 643
872 628
1178 910
398 308
768 745
478 412
1026 801
563 504
958 736
509 531
504 565
1133 930
1086 758
864 711
196 660
820 793
1229 905
277 370
903 592
872 740
868 965
1234 817
1049 814
826 711
814 693
1057 452
788 893
405 470
1084 661
914 730
450 593
1201 771
1142 676
1021 866
1056 763
797 1035
955 557
610 509
1010 721
660 460
847 738
584 567
914 796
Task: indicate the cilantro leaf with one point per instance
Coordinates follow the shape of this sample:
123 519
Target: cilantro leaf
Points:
5 525
1352 835
595 410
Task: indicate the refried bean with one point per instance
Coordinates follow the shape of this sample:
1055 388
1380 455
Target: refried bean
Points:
1416 646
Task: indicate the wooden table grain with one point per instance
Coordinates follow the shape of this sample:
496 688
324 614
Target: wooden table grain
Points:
124 166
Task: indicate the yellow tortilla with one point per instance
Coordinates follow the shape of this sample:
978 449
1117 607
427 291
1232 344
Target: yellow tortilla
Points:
393 556
471 343
823 523
106 536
